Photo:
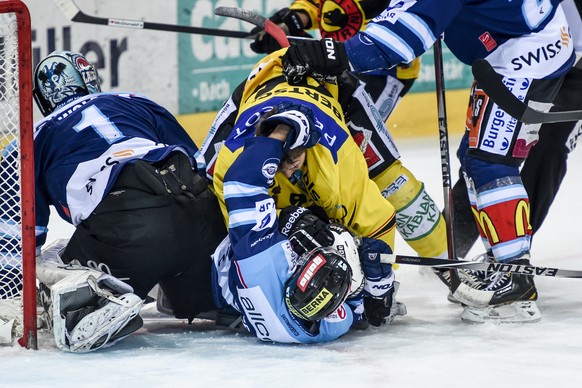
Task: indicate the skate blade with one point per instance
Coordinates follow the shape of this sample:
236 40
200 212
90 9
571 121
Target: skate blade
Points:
517 312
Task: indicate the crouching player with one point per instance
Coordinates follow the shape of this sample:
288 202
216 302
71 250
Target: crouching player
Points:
118 167
292 278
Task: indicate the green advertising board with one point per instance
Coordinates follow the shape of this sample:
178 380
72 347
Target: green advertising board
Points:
210 68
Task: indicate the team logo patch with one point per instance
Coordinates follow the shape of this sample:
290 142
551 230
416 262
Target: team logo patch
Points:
265 214
340 19
488 41
269 168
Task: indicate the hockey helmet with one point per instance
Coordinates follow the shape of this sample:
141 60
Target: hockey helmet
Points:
347 245
319 285
61 77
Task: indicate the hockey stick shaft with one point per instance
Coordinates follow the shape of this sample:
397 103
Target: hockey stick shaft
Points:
444 145
445 158
74 13
258 20
475 266
492 83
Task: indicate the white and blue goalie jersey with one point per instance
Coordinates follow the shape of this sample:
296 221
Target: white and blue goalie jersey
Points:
80 149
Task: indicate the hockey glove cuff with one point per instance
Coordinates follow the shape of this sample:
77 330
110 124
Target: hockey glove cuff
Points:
323 59
304 230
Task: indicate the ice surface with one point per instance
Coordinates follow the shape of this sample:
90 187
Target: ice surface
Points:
430 347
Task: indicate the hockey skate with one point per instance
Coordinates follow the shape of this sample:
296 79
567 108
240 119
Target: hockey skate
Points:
513 299
474 279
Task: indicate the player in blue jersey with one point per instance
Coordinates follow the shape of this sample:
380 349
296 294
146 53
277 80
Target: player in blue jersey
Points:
529 44
283 296
118 167
545 167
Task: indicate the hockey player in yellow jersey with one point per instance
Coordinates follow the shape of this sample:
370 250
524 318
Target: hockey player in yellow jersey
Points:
418 220
331 175
334 176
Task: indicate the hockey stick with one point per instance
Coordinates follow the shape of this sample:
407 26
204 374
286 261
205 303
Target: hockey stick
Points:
445 158
492 83
260 21
73 13
476 266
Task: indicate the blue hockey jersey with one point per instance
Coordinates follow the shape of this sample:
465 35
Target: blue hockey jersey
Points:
251 269
80 149
520 38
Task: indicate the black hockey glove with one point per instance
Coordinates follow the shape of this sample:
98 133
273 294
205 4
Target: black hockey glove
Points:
322 59
377 310
379 283
303 131
305 231
288 20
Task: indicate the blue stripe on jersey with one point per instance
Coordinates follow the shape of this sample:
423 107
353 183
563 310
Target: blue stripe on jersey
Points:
391 41
239 189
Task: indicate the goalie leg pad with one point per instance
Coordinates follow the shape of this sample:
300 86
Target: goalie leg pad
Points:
87 317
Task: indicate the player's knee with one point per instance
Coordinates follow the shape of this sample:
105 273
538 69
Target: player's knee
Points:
483 172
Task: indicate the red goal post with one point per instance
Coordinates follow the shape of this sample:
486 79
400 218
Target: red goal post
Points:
17 221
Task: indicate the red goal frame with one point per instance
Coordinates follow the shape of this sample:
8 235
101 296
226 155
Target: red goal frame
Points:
29 338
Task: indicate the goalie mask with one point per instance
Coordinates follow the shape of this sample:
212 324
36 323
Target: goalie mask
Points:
61 77
320 284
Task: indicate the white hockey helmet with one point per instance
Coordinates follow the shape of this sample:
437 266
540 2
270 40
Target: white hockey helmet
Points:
347 245
61 77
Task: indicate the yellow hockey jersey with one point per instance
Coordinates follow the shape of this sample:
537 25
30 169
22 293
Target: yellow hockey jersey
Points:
335 174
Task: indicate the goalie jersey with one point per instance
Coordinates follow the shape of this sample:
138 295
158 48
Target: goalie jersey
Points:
80 149
252 269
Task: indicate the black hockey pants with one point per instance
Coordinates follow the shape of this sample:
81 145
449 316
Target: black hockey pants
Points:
159 224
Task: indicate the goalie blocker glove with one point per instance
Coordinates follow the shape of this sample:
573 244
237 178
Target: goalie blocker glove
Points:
323 59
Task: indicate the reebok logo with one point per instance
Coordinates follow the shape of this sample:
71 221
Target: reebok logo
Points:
330 49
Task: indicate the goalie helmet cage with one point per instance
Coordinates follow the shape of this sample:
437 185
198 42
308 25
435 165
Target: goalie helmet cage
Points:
17 221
